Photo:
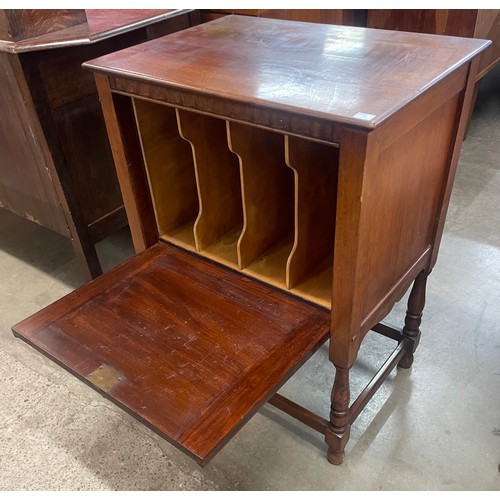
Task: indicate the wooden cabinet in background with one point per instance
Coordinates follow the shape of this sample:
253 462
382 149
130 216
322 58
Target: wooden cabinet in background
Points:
56 166
473 23
346 17
285 183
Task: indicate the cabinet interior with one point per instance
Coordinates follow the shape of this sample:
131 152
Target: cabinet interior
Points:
252 199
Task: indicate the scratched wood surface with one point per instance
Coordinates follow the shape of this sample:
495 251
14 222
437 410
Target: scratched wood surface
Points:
188 347
348 75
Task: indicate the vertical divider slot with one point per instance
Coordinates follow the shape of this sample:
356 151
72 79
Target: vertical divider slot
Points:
267 189
315 167
220 218
170 171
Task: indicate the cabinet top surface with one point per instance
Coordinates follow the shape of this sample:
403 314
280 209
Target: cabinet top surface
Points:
351 75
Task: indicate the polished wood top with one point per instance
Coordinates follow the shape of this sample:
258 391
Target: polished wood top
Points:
351 75
101 24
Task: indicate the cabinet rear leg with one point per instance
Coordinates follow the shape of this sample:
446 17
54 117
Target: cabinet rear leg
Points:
338 431
411 329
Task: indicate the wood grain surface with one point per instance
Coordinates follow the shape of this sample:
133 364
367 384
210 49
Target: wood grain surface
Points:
267 188
19 24
315 168
350 75
189 347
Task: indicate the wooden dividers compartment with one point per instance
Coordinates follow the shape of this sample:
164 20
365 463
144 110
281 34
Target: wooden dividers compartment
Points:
243 196
310 266
267 186
169 166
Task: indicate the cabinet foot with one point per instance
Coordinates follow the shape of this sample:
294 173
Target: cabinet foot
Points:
338 430
406 361
335 457
411 329
336 444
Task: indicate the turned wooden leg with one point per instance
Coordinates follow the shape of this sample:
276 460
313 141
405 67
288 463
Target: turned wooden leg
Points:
337 434
413 318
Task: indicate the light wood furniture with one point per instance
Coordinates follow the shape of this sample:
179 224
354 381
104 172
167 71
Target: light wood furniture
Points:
55 161
285 183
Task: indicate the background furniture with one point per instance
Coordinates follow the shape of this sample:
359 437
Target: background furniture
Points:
473 23
346 17
55 161
283 187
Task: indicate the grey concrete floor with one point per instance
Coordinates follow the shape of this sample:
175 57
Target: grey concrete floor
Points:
436 426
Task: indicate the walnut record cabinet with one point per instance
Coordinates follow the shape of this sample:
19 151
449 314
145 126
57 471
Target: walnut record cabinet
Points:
285 184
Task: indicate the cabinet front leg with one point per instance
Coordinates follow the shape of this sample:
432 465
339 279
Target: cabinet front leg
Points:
338 431
411 330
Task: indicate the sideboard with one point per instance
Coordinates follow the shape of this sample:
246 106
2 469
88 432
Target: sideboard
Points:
55 161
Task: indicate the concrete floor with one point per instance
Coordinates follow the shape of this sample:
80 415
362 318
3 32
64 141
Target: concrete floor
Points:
436 426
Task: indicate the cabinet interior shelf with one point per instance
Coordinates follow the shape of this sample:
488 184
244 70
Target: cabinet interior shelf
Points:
243 196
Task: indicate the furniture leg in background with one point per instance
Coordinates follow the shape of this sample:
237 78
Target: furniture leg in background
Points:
56 163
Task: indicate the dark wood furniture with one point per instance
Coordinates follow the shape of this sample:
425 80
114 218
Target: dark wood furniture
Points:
346 17
474 23
55 160
285 183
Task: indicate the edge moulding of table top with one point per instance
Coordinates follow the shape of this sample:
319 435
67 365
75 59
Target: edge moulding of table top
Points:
285 184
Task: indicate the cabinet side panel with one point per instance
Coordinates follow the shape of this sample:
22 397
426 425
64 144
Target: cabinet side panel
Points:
26 187
5 31
400 204
70 113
